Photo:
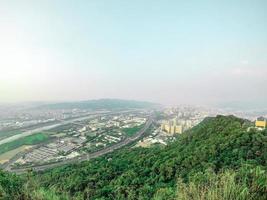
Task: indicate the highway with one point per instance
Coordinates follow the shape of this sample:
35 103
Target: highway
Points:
88 156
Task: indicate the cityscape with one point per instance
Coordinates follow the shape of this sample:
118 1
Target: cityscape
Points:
59 136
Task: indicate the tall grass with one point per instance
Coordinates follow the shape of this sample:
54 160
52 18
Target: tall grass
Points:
228 185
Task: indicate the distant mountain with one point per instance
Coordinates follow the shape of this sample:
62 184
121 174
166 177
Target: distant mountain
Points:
243 105
101 104
218 159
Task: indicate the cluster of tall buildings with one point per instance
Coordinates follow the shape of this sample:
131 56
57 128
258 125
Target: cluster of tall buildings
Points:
171 127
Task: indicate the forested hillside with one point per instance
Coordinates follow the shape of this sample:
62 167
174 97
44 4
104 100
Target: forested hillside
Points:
218 159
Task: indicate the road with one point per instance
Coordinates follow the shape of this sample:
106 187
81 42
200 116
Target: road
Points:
89 156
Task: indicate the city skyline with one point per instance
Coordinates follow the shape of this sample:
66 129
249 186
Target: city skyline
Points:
196 52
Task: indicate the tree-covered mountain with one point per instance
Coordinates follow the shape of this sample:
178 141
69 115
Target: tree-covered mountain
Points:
218 159
106 104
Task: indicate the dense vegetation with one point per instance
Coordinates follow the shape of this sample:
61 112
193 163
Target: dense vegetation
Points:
29 140
218 159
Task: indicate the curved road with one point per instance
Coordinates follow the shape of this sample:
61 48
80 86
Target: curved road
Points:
89 156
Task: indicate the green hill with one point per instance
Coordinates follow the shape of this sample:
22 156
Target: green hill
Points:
218 159
106 104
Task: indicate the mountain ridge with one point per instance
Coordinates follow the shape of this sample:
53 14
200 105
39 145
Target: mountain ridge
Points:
100 104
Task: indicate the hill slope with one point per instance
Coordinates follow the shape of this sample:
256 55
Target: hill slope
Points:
219 157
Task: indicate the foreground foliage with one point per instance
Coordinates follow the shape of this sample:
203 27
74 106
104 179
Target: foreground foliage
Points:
224 186
218 159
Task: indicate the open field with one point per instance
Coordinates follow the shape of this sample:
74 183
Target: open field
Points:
28 140
58 135
133 130
10 154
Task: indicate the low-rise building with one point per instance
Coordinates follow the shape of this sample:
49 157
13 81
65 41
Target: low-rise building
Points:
261 122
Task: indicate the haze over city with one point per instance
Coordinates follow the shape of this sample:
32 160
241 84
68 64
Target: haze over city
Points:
127 100
206 52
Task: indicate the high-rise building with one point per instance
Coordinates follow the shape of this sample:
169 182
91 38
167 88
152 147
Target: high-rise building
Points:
171 127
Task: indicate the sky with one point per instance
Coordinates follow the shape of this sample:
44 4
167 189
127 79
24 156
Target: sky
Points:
169 52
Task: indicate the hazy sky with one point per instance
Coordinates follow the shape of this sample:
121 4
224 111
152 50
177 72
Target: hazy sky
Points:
163 51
